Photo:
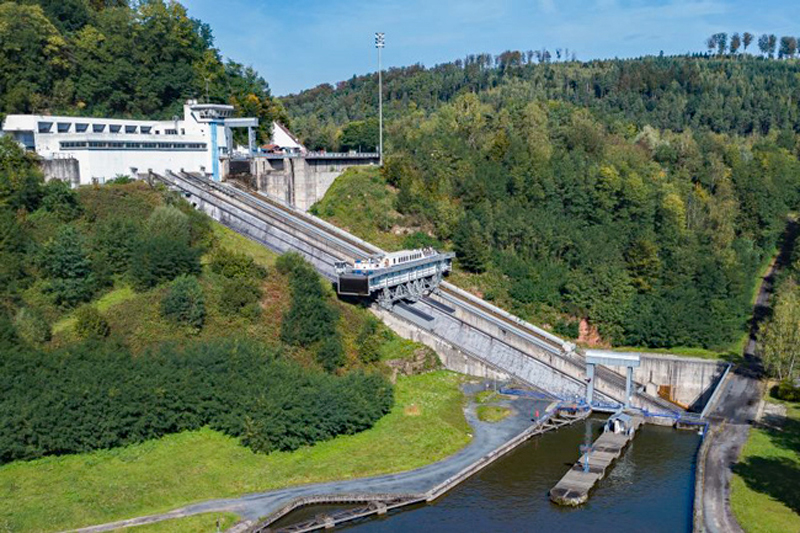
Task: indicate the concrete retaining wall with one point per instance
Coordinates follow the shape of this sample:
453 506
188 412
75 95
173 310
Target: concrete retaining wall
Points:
691 380
66 169
298 181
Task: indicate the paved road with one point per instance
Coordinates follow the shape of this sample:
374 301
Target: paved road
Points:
486 437
737 409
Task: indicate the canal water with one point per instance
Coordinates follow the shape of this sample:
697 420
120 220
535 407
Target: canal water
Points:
649 488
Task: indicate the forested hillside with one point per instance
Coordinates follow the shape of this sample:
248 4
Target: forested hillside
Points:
126 315
641 195
118 58
741 94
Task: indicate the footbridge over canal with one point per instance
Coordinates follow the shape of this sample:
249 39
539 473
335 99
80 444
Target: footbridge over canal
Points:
469 334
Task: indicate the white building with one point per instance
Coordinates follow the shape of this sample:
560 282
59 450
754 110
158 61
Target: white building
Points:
98 149
285 139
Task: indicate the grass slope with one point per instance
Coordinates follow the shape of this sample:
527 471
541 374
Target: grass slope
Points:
765 488
56 493
202 523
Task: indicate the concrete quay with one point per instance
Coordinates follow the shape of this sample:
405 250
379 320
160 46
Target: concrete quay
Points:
574 487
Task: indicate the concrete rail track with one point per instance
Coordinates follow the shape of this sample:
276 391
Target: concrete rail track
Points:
474 326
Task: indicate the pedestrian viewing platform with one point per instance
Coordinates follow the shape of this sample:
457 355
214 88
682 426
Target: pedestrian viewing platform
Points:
574 487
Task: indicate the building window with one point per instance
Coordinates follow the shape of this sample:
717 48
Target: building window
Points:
44 127
130 129
114 128
98 128
81 127
170 132
63 127
146 129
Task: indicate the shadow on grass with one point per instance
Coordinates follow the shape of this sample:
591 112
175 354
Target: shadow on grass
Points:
776 477
784 432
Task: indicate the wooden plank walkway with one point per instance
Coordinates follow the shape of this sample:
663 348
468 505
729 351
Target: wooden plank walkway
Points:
574 487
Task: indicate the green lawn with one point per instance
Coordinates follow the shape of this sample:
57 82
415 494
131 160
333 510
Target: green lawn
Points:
56 493
765 488
201 523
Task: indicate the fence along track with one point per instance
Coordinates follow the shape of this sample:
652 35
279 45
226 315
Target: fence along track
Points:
352 247
373 504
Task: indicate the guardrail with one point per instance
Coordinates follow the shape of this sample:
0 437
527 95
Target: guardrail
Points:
715 395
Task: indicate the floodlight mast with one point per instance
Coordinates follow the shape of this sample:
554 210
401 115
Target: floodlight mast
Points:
380 42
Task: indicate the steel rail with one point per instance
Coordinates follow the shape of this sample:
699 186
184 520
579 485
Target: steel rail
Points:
352 247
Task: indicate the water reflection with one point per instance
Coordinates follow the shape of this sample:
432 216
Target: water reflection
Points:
649 489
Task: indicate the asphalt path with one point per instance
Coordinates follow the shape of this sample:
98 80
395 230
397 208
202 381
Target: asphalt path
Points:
486 438
737 409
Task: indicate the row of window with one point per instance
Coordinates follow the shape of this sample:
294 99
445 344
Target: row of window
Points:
64 127
127 145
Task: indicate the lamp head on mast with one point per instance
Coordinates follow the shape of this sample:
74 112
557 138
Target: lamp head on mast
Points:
380 40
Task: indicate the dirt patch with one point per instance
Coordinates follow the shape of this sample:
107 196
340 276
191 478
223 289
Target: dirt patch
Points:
589 335
423 360
412 410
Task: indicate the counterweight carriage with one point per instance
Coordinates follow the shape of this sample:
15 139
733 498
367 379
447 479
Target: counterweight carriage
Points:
405 275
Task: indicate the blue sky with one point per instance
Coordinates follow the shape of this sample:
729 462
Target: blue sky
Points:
298 44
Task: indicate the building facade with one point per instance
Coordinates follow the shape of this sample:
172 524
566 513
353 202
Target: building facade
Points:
84 150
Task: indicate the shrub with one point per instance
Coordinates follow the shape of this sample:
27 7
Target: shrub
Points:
158 258
788 391
368 341
330 353
32 326
61 200
90 324
239 296
168 220
288 262
183 302
235 265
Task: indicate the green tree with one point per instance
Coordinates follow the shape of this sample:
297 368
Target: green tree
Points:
747 38
360 135
158 258
59 199
33 55
736 43
788 47
20 179
471 247
183 303
311 317
114 242
68 267
779 340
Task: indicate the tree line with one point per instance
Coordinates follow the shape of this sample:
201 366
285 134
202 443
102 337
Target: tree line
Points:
707 92
768 44
119 59
97 395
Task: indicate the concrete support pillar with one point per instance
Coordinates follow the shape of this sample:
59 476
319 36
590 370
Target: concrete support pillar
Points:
629 387
590 385
214 152
251 139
